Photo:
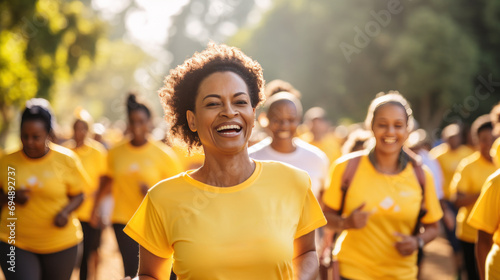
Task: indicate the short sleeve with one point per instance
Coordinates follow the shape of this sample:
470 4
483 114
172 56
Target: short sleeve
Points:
76 178
311 216
485 215
324 172
146 227
434 211
460 182
333 194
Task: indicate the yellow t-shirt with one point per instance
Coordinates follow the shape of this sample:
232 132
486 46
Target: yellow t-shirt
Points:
51 179
469 178
93 157
394 200
329 145
449 160
130 166
495 152
485 216
240 232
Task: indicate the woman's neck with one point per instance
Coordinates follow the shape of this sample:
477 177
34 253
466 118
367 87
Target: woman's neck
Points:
387 163
78 143
38 154
225 170
137 142
283 145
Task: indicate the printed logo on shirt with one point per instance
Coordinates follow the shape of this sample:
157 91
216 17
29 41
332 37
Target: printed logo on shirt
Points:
33 183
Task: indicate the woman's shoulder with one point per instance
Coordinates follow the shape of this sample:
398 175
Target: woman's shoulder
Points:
494 179
343 160
312 150
63 152
169 188
260 145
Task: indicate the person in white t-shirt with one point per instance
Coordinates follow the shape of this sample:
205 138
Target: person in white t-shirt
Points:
284 113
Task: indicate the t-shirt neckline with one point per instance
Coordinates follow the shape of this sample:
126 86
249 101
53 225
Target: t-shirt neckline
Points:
213 189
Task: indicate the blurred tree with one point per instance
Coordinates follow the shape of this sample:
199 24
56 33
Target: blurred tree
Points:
204 20
341 53
42 42
103 89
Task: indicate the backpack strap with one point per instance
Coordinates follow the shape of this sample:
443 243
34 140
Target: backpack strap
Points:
347 176
419 172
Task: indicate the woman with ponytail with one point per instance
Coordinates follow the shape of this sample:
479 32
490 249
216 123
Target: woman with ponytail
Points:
134 165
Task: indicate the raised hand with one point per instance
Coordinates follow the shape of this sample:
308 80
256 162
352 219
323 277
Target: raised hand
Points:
407 244
358 218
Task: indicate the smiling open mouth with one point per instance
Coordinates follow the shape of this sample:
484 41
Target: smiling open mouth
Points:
389 140
229 129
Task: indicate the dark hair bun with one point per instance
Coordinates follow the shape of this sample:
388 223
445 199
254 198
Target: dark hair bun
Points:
133 105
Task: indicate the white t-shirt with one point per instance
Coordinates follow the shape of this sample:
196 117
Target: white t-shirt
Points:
436 171
306 157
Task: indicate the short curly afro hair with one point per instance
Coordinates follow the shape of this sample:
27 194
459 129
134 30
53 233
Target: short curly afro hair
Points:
180 88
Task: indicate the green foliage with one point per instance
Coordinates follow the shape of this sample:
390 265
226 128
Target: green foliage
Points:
339 54
42 43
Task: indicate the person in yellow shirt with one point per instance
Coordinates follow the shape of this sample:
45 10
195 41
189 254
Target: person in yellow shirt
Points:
234 217
381 218
41 185
318 133
449 154
485 217
495 119
466 185
93 157
134 166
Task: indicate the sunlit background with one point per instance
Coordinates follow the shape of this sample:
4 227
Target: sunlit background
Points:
441 54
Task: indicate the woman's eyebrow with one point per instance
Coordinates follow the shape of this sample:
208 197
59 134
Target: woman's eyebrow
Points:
211 95
240 93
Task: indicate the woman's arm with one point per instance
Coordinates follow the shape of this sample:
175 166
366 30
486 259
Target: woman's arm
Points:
103 191
152 267
463 199
483 247
61 218
408 244
305 259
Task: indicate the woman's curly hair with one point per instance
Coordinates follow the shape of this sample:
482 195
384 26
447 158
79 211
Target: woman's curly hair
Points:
180 88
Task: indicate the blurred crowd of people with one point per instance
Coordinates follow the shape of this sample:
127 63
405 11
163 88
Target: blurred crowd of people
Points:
386 186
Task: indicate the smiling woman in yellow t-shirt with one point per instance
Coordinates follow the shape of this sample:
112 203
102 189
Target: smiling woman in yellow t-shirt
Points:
39 234
383 201
234 217
134 165
466 186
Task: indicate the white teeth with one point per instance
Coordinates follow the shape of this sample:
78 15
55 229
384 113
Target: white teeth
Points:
390 140
232 126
